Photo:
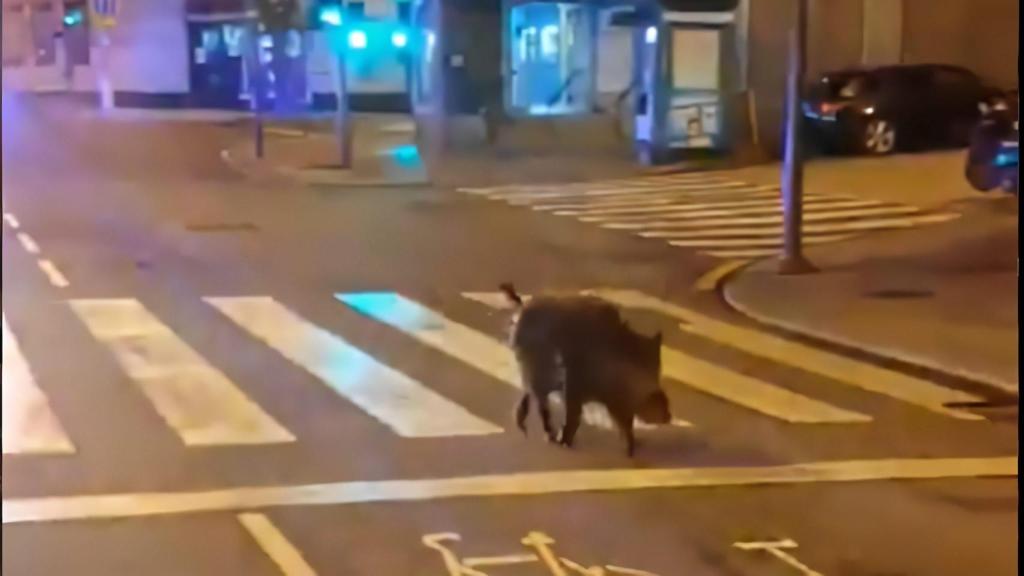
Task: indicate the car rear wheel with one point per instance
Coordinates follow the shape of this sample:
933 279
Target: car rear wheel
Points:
879 137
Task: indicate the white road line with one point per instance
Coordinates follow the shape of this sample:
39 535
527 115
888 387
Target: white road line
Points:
587 213
28 243
756 242
599 194
712 278
29 426
681 209
135 505
766 200
195 399
396 400
703 189
470 346
627 182
770 210
276 545
53 274
735 387
676 197
826 228
11 220
752 393
821 215
909 389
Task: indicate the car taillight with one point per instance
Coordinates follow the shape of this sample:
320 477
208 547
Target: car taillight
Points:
830 107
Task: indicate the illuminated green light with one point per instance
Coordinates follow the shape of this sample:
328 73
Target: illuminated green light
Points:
357 39
330 15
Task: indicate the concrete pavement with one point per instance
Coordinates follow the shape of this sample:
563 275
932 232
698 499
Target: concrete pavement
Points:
385 154
944 298
228 361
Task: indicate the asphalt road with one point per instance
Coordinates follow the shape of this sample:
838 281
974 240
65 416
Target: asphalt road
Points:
204 375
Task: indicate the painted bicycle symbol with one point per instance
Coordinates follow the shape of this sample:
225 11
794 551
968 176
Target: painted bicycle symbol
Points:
541 552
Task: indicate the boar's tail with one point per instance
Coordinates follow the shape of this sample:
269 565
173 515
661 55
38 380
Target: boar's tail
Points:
511 294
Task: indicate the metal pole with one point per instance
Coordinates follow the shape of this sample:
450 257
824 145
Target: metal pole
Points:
342 120
106 87
793 261
255 91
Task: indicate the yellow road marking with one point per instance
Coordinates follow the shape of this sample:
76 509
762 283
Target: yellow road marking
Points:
276 545
710 280
111 506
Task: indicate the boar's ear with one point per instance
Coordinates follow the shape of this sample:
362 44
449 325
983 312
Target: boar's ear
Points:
656 341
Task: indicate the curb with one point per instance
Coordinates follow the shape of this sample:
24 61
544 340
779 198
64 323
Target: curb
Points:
312 178
908 359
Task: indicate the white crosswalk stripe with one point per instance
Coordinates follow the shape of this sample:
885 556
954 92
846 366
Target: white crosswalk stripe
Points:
620 182
839 368
762 201
205 408
670 219
199 402
673 203
711 213
29 425
732 386
398 401
466 344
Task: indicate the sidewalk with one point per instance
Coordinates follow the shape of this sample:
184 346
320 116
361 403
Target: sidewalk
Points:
942 297
307 152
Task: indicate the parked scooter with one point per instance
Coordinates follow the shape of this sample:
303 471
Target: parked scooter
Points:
993 157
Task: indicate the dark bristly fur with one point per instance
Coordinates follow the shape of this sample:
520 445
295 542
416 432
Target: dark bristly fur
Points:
581 347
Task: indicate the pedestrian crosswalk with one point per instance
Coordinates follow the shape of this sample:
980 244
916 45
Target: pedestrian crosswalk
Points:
204 407
712 213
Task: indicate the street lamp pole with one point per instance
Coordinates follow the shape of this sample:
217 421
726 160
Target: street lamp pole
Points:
342 115
342 118
793 260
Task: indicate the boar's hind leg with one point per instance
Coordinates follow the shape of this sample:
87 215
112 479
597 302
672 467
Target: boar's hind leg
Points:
522 411
624 420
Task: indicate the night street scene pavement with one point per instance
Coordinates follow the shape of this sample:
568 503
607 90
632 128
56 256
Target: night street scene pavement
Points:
223 361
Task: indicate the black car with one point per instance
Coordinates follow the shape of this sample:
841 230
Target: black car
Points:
993 158
881 110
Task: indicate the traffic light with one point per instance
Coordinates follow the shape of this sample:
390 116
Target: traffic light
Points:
278 15
74 14
325 14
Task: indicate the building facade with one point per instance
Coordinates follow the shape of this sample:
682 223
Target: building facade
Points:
196 53
517 67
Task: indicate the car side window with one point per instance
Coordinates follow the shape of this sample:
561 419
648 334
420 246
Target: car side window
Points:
952 80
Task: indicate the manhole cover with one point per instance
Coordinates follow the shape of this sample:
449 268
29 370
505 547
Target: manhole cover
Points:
899 294
222 227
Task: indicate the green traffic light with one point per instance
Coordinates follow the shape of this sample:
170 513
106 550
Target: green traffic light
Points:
73 17
330 15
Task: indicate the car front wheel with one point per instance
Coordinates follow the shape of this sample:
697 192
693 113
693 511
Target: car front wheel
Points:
879 137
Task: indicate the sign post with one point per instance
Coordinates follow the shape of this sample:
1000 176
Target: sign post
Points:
104 15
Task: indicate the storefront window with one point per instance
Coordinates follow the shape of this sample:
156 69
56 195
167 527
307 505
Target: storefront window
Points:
550 59
425 46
